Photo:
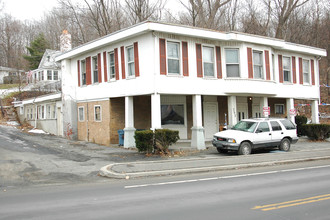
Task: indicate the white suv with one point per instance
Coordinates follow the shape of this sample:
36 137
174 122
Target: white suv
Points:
256 133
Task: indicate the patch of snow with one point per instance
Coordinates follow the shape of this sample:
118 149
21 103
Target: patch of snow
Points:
37 131
13 123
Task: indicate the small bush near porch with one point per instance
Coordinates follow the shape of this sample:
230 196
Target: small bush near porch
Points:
317 131
147 141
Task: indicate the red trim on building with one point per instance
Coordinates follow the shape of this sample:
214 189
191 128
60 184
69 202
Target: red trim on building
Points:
136 59
250 64
122 54
116 63
301 79
267 65
105 68
294 74
312 72
280 68
78 67
99 69
185 66
199 60
218 60
88 71
162 56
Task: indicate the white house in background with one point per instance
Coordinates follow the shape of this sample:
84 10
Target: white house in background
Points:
155 75
48 70
6 71
43 112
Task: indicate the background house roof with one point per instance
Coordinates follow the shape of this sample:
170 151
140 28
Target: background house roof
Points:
48 60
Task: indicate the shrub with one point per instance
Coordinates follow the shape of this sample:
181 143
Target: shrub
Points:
300 121
317 131
164 138
144 141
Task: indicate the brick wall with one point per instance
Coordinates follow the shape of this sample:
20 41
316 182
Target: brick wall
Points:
271 104
142 112
223 109
117 118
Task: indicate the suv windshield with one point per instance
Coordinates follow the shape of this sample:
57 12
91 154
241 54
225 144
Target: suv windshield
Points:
248 126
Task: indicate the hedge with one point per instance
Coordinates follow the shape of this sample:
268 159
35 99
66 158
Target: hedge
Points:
146 141
300 120
317 131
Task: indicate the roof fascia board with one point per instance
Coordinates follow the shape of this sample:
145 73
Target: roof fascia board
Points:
56 96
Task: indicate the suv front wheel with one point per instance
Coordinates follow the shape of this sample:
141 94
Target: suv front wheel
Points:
245 148
285 144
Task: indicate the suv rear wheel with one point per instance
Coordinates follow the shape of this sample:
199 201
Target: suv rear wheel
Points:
285 144
245 148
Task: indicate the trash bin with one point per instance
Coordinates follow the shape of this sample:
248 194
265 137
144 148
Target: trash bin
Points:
121 137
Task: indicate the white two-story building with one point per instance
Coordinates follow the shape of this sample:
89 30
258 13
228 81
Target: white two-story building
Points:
156 75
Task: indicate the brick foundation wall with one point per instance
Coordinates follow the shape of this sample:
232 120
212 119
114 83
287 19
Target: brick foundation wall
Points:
271 104
117 118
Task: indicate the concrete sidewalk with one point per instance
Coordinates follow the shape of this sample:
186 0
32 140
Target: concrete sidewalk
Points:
302 151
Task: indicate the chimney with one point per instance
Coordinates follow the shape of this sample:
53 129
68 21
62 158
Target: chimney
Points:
65 43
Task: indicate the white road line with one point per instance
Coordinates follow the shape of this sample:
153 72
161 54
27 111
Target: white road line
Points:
224 177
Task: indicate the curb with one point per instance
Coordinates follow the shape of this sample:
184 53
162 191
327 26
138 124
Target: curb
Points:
107 171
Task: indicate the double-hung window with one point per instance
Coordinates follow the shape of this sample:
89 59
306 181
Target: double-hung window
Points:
48 111
279 109
83 72
173 58
49 75
306 75
55 76
130 61
95 70
286 69
208 61
257 65
232 62
81 113
112 69
97 113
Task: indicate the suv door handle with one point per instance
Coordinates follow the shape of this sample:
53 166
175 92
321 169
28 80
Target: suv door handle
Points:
281 132
270 133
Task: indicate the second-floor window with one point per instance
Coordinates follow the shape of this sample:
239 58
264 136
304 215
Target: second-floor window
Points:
83 72
112 69
130 61
257 65
95 70
232 62
286 69
208 61
173 60
306 75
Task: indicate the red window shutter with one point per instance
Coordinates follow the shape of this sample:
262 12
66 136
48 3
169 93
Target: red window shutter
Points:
199 60
105 66
267 65
280 68
99 69
122 50
185 66
116 64
88 71
294 70
250 64
78 67
312 72
218 58
301 79
162 56
136 59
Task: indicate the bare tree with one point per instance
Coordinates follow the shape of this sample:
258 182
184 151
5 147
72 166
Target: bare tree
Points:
141 10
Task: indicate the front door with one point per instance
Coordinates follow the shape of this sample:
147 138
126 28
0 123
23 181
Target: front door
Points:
242 111
211 120
256 113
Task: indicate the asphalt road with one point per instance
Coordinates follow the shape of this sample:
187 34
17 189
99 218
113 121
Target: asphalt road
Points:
296 191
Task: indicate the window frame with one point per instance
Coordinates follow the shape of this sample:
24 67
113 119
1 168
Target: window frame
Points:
49 75
48 112
83 114
288 70
83 72
95 116
308 72
55 71
94 68
213 59
232 64
173 58
279 113
111 53
130 62
260 66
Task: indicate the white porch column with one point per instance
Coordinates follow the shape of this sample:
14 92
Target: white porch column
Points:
232 111
315 112
264 103
156 120
197 136
290 105
129 130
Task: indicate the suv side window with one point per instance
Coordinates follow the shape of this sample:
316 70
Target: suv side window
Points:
275 126
288 124
263 126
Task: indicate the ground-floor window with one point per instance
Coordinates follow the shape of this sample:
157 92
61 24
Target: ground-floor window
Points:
81 114
172 114
279 109
97 113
